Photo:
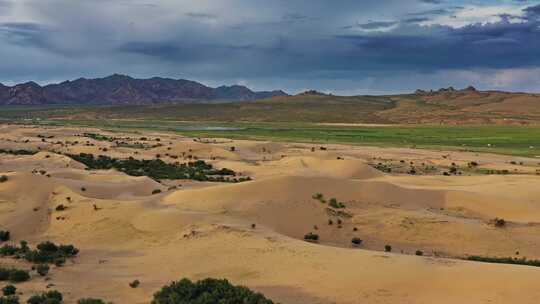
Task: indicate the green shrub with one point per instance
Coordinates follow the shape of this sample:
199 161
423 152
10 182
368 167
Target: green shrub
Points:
207 291
311 237
499 222
49 297
335 204
18 275
319 197
90 301
3 179
156 191
387 248
419 252
356 241
42 269
135 284
50 253
9 290
4 235
505 260
9 300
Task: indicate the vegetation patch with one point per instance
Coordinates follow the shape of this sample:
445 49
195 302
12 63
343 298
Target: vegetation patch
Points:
158 169
507 260
207 291
45 252
14 275
49 297
17 152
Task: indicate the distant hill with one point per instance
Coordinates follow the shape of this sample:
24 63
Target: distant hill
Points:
184 100
467 106
120 89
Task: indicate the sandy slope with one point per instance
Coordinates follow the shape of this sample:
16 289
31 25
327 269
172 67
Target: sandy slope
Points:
205 230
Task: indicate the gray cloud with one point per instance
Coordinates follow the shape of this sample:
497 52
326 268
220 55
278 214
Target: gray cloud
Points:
290 44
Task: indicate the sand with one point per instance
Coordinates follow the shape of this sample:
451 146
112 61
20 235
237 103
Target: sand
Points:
201 230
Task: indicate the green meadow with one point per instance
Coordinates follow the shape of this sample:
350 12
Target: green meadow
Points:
510 140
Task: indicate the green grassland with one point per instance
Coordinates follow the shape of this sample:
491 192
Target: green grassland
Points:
218 121
510 140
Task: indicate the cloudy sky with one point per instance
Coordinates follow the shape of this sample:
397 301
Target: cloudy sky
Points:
340 46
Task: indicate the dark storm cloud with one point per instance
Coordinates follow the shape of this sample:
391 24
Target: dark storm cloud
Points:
311 43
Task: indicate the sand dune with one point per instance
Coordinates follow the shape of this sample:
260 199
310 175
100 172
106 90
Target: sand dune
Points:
201 230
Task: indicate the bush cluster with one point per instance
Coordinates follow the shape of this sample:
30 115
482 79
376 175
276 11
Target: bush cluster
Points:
14 275
49 297
9 300
506 260
207 291
45 252
17 152
91 301
158 169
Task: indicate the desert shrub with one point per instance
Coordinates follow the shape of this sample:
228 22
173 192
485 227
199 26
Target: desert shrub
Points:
505 260
311 237
9 290
18 275
135 284
156 191
49 297
60 207
90 301
9 300
42 269
4 235
17 152
499 222
8 250
356 241
387 248
419 252
335 204
319 197
3 178
207 291
50 253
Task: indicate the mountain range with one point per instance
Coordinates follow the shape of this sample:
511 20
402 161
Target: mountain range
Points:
121 89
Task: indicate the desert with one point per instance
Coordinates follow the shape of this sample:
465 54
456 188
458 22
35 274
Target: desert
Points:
382 237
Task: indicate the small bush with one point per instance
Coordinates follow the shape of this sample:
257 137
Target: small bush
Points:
156 191
311 237
356 241
387 248
42 269
135 284
499 222
18 275
9 290
90 301
419 252
3 179
9 300
61 207
335 204
4 235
